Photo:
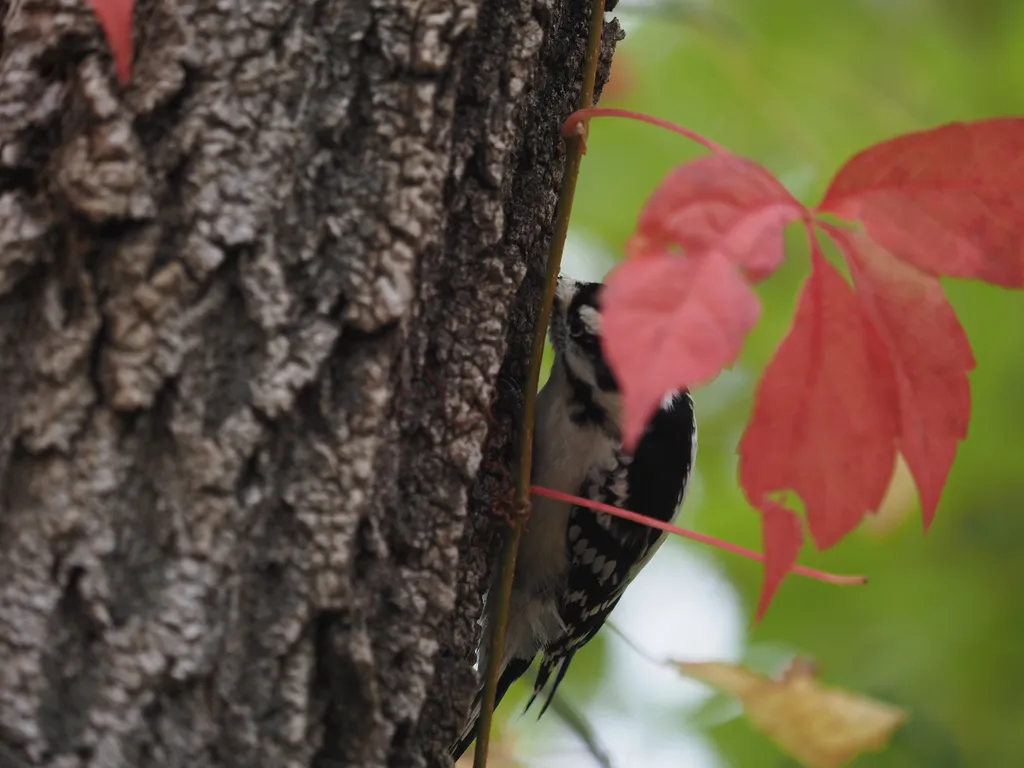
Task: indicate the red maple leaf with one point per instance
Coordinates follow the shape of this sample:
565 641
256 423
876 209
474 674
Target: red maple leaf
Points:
115 18
719 202
825 412
931 357
867 369
681 320
681 307
783 537
948 200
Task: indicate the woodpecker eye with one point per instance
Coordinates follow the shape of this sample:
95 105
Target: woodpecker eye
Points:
576 329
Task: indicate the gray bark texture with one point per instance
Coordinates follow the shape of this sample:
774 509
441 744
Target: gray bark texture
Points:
264 313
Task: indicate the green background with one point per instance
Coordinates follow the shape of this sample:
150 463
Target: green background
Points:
800 85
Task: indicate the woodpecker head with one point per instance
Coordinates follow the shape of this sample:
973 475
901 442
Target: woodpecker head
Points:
576 333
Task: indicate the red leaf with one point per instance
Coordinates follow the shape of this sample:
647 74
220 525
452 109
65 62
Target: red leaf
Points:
115 17
671 322
949 200
783 538
719 202
931 357
826 411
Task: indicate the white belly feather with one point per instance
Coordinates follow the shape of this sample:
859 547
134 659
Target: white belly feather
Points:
563 452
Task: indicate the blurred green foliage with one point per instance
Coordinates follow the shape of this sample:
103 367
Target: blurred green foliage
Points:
800 85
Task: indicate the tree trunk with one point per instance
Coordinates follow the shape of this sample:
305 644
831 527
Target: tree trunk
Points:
254 312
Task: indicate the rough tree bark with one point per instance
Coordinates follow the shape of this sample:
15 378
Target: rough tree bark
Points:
254 312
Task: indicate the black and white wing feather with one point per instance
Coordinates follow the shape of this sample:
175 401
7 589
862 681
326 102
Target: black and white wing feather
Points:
651 482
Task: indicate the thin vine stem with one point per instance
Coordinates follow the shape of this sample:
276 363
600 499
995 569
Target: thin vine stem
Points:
736 549
583 115
575 146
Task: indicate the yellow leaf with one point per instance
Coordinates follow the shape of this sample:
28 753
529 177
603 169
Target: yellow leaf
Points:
821 727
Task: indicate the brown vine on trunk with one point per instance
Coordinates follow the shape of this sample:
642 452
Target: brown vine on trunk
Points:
262 315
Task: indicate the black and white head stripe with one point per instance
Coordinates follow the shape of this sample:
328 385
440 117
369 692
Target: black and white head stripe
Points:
576 333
